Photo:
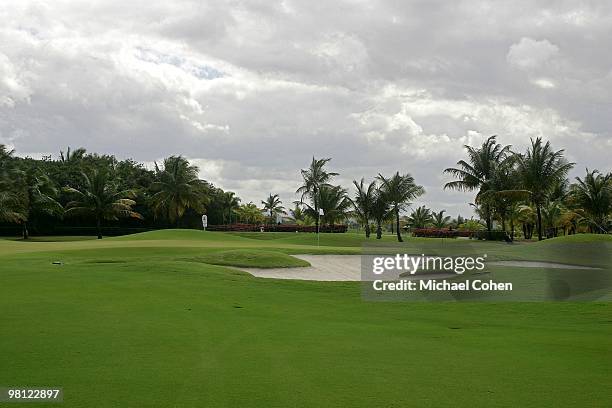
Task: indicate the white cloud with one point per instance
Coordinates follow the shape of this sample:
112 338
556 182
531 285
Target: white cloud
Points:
529 53
544 83
251 90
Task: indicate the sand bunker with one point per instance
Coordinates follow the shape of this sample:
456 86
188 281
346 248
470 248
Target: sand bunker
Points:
348 268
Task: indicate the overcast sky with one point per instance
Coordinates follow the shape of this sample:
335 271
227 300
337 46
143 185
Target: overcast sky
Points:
251 90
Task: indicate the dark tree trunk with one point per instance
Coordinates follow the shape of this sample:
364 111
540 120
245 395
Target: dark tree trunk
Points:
98 228
24 229
378 230
397 225
539 211
367 230
512 229
528 230
489 221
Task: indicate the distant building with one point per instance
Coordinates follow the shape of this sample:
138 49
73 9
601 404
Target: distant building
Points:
280 218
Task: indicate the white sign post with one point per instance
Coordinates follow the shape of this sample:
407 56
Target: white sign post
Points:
319 225
204 221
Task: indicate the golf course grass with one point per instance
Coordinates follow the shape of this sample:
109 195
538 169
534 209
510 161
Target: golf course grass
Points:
251 258
154 320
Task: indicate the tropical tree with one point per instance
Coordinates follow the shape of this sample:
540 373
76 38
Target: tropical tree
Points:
100 199
552 212
299 216
399 190
230 203
503 190
249 213
593 194
273 206
363 202
70 166
9 200
9 207
560 191
439 220
472 225
334 204
37 196
381 211
455 223
314 178
526 215
571 219
72 157
513 217
479 173
177 188
421 217
539 169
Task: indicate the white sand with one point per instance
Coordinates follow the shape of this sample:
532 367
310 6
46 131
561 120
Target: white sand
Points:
335 268
348 268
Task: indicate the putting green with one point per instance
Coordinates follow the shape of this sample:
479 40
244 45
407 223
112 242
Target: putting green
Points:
143 321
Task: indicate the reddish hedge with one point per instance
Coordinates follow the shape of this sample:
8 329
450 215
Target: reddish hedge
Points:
441 233
277 228
435 233
448 233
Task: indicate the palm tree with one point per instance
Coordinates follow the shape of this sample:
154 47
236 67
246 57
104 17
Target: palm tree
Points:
9 207
421 217
455 223
400 190
333 201
10 210
381 211
299 216
72 157
249 213
594 195
539 169
503 190
527 217
552 212
38 196
560 190
314 178
273 205
363 202
479 172
99 198
177 188
230 203
513 217
571 219
439 220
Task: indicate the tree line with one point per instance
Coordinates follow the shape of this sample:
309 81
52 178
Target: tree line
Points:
527 189
531 188
79 188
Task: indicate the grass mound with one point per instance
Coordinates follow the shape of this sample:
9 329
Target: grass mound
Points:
578 239
252 258
177 234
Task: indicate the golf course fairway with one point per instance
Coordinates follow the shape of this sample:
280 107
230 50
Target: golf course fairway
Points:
161 319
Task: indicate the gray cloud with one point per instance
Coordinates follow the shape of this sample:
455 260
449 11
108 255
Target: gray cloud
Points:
251 90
